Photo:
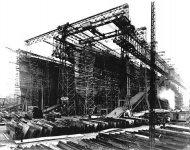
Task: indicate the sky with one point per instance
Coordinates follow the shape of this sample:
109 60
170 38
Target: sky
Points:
23 19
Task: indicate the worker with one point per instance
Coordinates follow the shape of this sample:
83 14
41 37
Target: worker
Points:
164 122
19 132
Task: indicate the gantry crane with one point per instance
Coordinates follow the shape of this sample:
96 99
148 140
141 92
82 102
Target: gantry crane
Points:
71 36
77 35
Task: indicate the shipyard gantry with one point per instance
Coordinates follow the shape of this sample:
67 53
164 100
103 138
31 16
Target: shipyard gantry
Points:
100 66
90 67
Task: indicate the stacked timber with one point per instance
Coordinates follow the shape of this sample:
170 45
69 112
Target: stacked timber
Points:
42 127
169 138
14 130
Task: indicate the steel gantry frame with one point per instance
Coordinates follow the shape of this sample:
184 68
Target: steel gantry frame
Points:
125 36
120 17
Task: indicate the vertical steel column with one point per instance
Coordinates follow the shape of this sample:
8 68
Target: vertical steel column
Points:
29 87
47 91
145 73
66 85
128 83
152 97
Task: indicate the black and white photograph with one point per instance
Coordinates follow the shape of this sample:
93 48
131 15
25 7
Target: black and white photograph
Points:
94 75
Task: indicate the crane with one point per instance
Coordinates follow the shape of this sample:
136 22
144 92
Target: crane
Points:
123 34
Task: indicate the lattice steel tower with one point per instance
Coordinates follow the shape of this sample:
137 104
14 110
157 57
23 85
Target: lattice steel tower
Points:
152 79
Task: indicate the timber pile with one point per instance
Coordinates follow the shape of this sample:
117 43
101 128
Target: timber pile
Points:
170 138
26 129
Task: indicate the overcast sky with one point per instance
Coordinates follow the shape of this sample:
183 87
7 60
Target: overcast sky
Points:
23 19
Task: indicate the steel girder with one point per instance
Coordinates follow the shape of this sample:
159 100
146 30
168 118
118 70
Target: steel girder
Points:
118 15
84 24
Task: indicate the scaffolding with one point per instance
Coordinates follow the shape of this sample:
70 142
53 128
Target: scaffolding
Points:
85 82
34 80
66 76
109 85
66 87
106 74
17 94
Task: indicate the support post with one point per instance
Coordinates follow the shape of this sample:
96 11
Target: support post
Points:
153 89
